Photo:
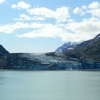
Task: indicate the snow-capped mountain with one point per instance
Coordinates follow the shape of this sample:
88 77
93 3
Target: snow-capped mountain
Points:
85 55
97 37
66 46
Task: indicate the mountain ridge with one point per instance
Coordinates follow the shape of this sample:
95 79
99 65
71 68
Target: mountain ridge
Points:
3 51
82 50
85 55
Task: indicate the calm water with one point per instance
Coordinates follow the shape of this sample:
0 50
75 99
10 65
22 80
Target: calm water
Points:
49 85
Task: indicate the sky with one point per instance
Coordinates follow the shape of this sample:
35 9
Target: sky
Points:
39 26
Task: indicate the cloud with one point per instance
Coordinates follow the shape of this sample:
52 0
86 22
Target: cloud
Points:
21 5
2 1
10 28
86 29
24 17
41 11
61 14
77 10
94 13
14 6
48 30
94 5
94 9
73 31
84 7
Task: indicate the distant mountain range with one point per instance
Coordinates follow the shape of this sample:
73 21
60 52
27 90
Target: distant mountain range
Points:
85 55
86 50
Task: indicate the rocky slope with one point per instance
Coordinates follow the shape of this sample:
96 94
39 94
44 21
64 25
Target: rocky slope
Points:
83 56
65 47
3 51
89 50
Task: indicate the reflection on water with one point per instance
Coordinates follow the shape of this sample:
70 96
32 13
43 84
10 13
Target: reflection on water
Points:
49 85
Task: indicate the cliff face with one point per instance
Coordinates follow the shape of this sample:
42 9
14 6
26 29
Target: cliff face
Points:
84 56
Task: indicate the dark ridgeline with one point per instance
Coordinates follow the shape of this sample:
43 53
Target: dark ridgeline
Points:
89 50
3 51
85 55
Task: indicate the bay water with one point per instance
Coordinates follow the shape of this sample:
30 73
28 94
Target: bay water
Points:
49 85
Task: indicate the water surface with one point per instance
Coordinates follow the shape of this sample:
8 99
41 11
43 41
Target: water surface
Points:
49 85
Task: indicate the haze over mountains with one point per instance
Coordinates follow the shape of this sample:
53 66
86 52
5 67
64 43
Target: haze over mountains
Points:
85 55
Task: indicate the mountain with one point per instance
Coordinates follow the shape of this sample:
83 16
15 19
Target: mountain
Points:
92 50
97 37
85 55
3 56
86 50
3 51
65 47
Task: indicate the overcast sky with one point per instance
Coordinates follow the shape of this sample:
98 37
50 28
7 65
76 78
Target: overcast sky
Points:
43 25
